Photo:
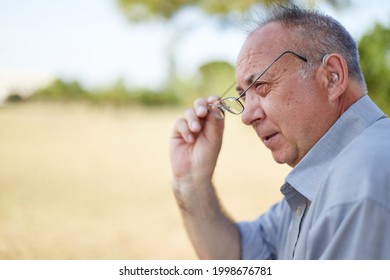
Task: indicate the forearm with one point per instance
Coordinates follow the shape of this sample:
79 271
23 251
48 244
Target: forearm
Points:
212 233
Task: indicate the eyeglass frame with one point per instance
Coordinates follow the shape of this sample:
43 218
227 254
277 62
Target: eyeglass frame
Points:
222 107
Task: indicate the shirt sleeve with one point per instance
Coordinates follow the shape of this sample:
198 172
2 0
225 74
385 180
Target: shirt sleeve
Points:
259 238
358 230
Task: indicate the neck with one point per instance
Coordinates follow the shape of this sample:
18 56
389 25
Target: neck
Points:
353 93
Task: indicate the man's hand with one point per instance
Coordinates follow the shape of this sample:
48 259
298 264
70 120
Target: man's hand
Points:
195 144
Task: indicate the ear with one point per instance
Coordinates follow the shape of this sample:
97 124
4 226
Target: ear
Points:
337 75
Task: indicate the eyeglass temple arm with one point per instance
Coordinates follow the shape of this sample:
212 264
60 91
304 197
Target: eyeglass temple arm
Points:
266 69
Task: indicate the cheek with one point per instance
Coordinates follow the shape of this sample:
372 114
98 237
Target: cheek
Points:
292 114
300 104
286 107
290 106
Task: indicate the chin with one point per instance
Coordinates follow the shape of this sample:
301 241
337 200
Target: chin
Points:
285 159
279 160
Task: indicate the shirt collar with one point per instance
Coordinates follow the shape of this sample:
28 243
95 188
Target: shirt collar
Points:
307 173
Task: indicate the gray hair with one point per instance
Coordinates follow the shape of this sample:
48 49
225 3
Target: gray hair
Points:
315 35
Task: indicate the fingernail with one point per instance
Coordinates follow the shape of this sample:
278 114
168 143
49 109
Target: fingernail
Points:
195 126
212 99
202 110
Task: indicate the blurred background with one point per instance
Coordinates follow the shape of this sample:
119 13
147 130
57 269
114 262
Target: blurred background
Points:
89 93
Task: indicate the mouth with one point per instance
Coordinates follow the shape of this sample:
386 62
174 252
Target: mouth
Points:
266 133
267 139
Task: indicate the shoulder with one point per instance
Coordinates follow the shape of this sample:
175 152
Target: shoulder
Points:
362 169
372 147
367 155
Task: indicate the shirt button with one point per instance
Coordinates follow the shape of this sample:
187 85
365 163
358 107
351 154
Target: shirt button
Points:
299 211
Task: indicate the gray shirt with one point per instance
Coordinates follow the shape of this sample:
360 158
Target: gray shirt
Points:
336 201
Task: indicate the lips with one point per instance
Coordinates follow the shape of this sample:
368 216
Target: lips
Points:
268 137
265 134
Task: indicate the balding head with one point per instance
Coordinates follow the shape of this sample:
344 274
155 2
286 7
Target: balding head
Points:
314 35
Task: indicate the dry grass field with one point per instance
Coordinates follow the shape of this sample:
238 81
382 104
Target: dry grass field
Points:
84 182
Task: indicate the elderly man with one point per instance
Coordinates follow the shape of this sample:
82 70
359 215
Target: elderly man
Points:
301 88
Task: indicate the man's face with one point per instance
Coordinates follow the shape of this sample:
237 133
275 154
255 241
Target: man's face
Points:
289 113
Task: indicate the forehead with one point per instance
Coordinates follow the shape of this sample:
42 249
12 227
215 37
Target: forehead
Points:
262 47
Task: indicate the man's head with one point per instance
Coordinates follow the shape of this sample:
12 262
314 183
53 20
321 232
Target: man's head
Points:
296 102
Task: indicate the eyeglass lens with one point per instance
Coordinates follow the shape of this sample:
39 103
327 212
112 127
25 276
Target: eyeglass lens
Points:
232 105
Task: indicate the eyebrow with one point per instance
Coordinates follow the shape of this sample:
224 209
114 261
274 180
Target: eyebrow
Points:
249 80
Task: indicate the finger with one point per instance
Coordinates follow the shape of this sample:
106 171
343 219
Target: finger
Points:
213 98
182 130
200 106
193 121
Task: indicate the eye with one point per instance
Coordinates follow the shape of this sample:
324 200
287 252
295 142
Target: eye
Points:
262 88
243 97
240 94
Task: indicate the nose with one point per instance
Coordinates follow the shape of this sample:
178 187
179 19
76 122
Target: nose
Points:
253 110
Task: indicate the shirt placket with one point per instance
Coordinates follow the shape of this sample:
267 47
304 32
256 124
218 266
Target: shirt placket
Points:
298 205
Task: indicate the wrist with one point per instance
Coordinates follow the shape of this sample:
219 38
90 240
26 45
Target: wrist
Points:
191 193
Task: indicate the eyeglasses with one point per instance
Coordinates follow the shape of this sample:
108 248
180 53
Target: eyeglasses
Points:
233 104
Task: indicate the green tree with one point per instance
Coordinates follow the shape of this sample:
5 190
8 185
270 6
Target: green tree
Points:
215 77
60 90
374 49
147 10
141 10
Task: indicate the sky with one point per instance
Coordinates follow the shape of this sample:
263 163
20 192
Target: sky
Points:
91 41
